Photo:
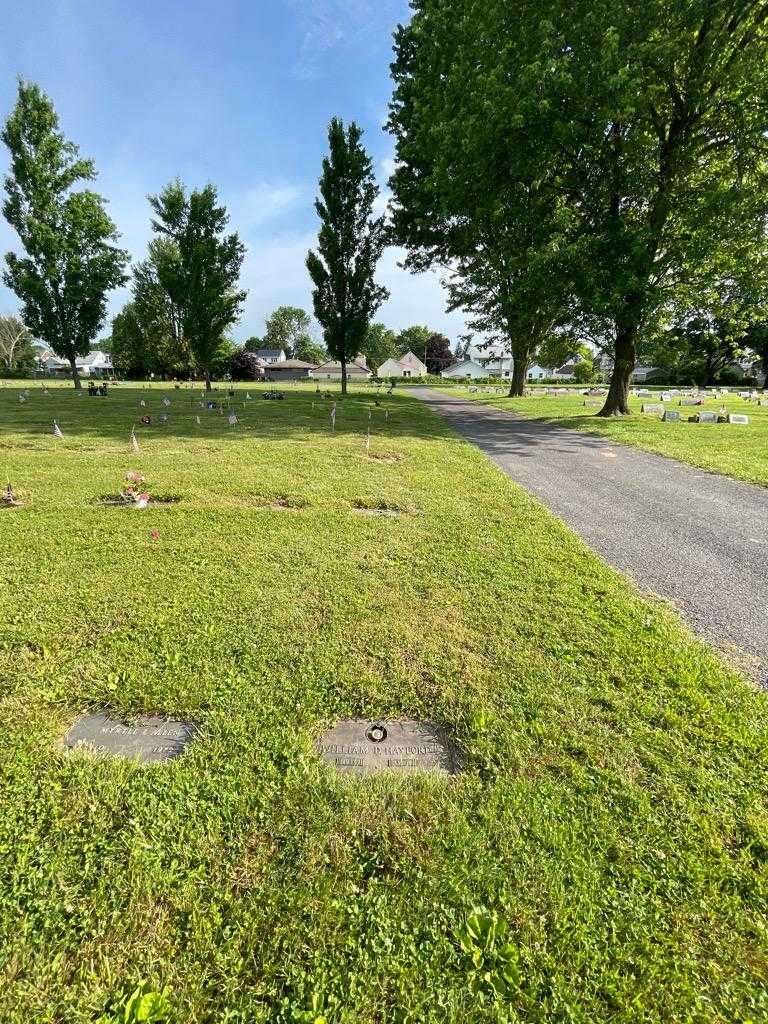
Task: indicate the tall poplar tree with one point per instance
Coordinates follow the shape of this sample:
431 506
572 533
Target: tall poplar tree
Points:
350 245
70 261
201 270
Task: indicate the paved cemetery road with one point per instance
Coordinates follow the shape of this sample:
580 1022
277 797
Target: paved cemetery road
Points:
695 538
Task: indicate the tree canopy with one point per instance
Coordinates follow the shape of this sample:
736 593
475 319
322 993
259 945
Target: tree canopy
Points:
200 272
70 261
351 242
590 159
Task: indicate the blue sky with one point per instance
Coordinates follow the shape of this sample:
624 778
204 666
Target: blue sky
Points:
234 92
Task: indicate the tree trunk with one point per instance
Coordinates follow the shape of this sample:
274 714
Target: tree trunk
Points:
519 377
617 402
343 376
75 375
207 380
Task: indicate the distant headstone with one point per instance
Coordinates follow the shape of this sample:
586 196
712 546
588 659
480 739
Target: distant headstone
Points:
733 418
592 403
691 401
763 402
671 416
707 417
651 407
144 738
362 746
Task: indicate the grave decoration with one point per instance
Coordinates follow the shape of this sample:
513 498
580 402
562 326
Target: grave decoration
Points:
361 746
146 421
57 430
132 495
143 738
9 499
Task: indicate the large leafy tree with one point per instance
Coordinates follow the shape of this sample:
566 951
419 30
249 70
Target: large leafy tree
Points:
438 355
147 335
659 113
413 339
70 261
16 350
379 345
201 271
475 188
351 242
288 328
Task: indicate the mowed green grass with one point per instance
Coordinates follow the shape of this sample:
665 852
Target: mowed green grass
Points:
739 451
610 820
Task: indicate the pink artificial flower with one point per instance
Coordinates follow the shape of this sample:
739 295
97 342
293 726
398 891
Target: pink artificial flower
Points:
154 534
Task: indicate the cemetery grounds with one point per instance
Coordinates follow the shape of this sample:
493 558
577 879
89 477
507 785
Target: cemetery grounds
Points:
602 855
737 450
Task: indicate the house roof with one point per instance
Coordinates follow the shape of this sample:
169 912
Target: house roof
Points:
334 365
294 364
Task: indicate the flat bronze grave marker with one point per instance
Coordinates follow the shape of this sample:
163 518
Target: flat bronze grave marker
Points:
145 738
364 746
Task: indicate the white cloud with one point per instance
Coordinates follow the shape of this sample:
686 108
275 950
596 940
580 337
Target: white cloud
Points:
262 203
329 24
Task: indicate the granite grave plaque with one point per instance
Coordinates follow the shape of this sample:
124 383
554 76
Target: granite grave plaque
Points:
733 418
707 417
651 407
147 739
671 416
364 746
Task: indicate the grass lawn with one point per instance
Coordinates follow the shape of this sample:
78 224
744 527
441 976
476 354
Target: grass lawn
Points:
738 451
610 822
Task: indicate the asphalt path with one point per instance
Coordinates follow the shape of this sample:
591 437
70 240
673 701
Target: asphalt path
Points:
695 538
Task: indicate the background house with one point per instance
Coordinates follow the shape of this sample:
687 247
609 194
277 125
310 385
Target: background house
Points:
289 369
268 356
466 368
408 365
95 364
356 370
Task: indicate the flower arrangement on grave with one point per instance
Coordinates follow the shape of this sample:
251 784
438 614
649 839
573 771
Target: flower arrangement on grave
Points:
146 420
134 493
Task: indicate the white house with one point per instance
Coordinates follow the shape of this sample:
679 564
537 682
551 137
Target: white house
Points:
537 372
95 364
408 365
466 368
271 355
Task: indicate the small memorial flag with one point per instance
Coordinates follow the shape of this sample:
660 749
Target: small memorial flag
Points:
333 417
134 441
166 402
57 430
232 419
368 441
197 418
142 403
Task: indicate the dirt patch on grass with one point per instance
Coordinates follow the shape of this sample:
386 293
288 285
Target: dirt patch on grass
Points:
385 457
280 502
116 501
379 507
